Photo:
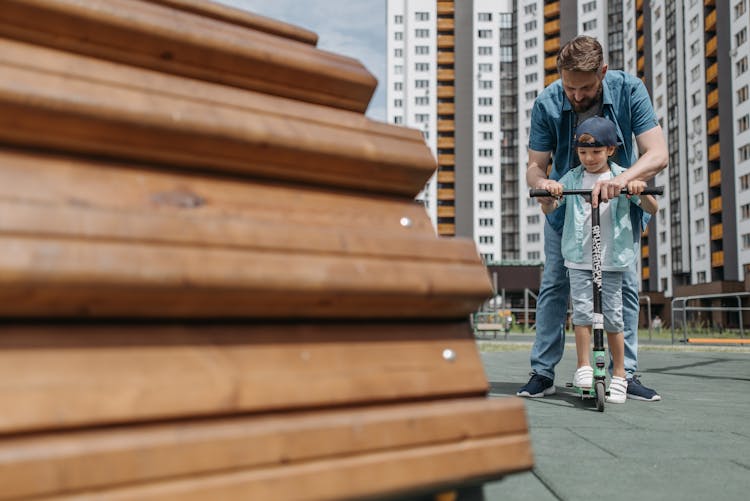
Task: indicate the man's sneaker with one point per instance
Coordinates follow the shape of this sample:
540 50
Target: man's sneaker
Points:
617 390
583 376
637 391
538 386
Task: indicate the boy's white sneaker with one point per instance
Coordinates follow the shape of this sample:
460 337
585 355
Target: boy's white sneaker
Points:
618 390
583 377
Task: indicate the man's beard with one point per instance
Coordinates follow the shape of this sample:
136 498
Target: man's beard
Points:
588 103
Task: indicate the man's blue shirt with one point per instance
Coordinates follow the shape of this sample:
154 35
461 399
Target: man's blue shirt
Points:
625 101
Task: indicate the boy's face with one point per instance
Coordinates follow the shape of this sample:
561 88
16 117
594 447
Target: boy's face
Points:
594 158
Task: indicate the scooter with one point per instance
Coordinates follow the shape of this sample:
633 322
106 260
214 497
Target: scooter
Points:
598 387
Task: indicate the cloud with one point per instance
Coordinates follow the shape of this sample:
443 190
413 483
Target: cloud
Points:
354 28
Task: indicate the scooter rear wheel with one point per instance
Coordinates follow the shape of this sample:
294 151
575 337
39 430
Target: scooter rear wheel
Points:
600 395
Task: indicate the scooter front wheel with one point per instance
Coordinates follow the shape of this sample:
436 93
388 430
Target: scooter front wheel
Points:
600 396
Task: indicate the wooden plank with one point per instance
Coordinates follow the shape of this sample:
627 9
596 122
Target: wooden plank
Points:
82 375
42 194
375 475
58 463
180 42
242 18
58 277
72 111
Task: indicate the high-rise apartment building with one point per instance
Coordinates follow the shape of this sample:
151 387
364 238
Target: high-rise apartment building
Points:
467 73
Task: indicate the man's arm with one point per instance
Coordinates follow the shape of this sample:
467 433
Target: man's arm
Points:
654 157
536 177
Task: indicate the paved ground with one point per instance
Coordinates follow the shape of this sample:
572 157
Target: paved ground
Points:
693 445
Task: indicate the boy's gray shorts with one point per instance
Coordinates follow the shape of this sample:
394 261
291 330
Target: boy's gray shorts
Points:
582 294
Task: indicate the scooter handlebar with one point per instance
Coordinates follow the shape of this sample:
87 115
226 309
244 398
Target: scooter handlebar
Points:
659 190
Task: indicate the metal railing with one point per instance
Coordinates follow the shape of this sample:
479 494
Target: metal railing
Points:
684 308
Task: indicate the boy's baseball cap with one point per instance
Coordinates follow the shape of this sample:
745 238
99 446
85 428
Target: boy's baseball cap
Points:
601 129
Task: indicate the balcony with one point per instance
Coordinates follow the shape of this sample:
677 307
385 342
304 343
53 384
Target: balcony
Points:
711 47
552 45
715 205
445 8
444 41
714 179
639 23
712 72
550 63
446 57
446 194
445 24
446 142
717 231
641 63
717 259
712 101
645 273
446 108
446 125
443 75
446 229
714 152
447 160
446 91
446 211
640 42
552 10
638 4
711 22
446 176
644 251
552 27
713 125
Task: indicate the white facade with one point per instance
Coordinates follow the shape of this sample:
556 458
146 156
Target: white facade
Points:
740 25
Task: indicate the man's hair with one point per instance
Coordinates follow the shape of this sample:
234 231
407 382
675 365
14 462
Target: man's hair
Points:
583 53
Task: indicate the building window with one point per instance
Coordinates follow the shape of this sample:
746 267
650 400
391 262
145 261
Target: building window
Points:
486 187
486 222
399 35
695 47
700 251
422 66
531 95
488 258
422 101
398 85
421 117
484 33
531 78
530 43
486 204
530 61
740 37
506 20
422 16
485 119
531 25
532 237
589 25
398 120
534 219
701 277
485 84
741 65
421 84
530 9
589 6
422 33
398 69
742 94
484 16
694 23
484 101
484 67
700 226
740 8
744 182
746 241
743 123
700 200
662 237
398 52
422 50
486 239
484 51
486 152
485 169
695 73
398 19
534 256
398 103
696 97
745 211
744 152
486 136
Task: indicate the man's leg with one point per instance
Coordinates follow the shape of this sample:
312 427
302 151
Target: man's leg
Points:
551 308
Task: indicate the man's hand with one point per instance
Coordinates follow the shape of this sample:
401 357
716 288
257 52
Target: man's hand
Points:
636 187
606 190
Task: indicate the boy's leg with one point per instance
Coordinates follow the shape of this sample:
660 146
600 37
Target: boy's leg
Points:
615 342
582 294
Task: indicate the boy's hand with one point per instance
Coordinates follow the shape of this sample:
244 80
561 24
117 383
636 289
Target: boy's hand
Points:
636 187
555 189
606 190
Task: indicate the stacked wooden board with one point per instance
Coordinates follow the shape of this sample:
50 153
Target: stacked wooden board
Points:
214 281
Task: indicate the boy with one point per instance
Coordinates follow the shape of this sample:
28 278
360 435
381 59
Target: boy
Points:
596 141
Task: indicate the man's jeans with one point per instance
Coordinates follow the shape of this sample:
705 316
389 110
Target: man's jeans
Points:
552 307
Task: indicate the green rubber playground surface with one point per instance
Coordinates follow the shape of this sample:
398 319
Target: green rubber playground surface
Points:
692 445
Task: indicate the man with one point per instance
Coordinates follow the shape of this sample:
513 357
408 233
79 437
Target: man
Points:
586 88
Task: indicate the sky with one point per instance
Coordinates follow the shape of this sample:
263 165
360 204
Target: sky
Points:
354 28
